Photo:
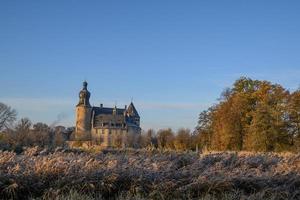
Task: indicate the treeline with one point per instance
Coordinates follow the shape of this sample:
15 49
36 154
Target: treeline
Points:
15 135
253 115
181 140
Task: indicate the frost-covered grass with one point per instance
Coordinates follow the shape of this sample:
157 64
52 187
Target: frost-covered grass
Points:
144 174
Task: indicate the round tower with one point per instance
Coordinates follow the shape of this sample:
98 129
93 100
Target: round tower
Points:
83 114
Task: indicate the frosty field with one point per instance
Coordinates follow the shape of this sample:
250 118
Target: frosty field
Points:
148 174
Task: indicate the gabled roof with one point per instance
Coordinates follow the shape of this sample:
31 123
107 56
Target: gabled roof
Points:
132 111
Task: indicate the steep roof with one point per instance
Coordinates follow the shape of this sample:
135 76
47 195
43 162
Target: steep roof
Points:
132 111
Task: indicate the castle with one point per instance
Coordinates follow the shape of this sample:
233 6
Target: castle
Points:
104 126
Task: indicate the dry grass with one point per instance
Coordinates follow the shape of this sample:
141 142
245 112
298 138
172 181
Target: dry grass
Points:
142 174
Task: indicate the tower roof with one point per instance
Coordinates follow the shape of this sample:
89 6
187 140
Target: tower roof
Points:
132 111
85 84
84 96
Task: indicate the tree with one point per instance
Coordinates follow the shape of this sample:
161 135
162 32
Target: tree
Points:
7 116
231 118
260 136
41 127
252 115
148 139
23 125
182 139
19 136
268 130
205 120
165 138
41 134
294 118
201 138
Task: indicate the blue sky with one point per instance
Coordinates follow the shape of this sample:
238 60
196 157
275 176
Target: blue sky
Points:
173 58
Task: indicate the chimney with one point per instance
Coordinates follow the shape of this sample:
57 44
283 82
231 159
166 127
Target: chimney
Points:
101 105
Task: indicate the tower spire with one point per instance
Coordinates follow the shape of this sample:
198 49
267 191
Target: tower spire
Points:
85 84
84 96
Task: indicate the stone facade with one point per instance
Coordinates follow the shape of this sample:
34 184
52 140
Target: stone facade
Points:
104 126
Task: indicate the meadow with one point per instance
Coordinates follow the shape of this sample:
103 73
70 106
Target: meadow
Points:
148 174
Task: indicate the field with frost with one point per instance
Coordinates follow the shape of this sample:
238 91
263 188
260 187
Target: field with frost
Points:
142 174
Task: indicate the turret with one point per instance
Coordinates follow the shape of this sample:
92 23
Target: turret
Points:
83 114
133 114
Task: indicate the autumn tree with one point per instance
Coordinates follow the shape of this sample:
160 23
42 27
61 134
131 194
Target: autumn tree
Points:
268 130
294 118
252 115
231 116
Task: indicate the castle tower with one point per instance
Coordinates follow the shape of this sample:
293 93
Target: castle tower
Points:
83 114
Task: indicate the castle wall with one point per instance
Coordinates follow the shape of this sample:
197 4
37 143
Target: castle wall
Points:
109 137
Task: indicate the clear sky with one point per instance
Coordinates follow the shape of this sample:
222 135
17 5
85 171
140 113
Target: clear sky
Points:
173 58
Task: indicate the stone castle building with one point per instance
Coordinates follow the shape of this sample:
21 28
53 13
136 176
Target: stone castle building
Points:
104 126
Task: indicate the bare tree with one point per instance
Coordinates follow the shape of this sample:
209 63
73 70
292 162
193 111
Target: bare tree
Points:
7 116
165 138
22 132
23 125
41 127
148 138
41 134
